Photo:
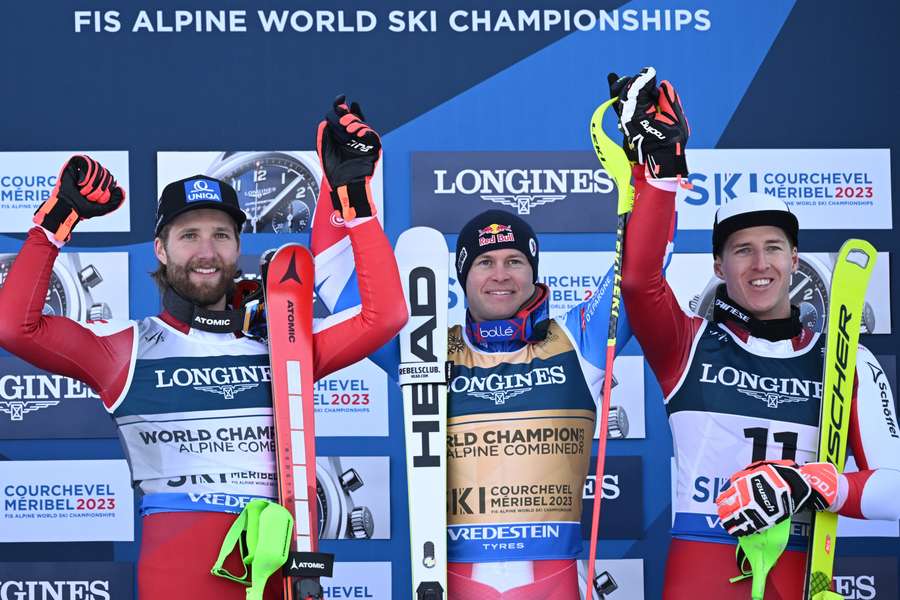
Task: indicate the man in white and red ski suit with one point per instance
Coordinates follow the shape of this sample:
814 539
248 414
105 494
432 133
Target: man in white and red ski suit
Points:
712 372
189 392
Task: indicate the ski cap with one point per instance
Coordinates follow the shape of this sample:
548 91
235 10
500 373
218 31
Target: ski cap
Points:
197 191
752 210
494 230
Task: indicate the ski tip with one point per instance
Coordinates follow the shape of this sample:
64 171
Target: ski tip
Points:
858 252
421 238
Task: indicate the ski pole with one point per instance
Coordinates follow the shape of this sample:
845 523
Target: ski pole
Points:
616 164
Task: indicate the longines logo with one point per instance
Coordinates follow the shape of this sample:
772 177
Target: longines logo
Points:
227 381
228 391
774 391
500 388
62 590
522 189
23 394
16 409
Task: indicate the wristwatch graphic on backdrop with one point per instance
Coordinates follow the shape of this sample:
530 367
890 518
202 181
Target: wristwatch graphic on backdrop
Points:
339 517
808 290
277 190
69 293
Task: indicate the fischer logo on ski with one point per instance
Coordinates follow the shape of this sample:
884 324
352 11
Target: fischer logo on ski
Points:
849 281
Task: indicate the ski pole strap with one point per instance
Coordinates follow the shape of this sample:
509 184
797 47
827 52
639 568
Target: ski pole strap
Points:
262 534
762 550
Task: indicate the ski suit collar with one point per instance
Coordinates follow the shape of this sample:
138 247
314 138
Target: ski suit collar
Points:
528 326
728 311
189 315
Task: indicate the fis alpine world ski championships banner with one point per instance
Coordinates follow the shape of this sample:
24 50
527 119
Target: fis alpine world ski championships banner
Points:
66 501
28 178
553 191
826 189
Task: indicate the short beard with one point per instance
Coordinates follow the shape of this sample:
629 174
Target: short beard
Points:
178 276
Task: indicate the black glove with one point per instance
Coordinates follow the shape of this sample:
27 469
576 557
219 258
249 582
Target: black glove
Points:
653 121
84 189
349 150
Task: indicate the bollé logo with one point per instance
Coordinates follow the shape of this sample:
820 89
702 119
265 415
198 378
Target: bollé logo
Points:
495 331
54 590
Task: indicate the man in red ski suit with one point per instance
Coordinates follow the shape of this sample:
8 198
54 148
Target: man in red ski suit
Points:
712 371
189 373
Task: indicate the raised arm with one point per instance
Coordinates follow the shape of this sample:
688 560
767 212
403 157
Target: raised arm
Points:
98 356
349 150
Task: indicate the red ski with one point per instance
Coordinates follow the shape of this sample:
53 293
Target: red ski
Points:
289 284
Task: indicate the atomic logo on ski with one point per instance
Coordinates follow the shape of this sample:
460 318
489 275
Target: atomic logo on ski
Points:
291 273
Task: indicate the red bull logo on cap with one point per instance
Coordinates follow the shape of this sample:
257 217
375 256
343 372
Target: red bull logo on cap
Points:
495 233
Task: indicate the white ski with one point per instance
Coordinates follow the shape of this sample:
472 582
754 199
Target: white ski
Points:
422 258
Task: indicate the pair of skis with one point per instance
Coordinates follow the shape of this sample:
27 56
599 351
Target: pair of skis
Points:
289 280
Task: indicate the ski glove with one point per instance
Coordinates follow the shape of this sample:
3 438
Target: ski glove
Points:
653 121
768 492
84 189
349 150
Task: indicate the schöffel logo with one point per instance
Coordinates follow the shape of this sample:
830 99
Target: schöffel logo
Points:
563 191
774 391
887 408
202 190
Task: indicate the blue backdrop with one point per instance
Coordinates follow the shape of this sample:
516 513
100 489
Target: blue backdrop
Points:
775 74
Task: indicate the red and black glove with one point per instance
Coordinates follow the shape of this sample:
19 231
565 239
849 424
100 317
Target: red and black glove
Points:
84 189
349 150
653 121
770 491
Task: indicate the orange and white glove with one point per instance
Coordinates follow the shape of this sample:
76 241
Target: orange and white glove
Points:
84 189
348 149
768 492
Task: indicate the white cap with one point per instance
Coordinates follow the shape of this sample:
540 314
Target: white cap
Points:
752 210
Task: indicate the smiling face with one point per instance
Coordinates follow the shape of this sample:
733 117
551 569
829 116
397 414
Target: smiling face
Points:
756 264
200 252
498 283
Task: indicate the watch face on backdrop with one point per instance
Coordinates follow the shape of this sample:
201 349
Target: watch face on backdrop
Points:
56 303
83 286
277 190
352 497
